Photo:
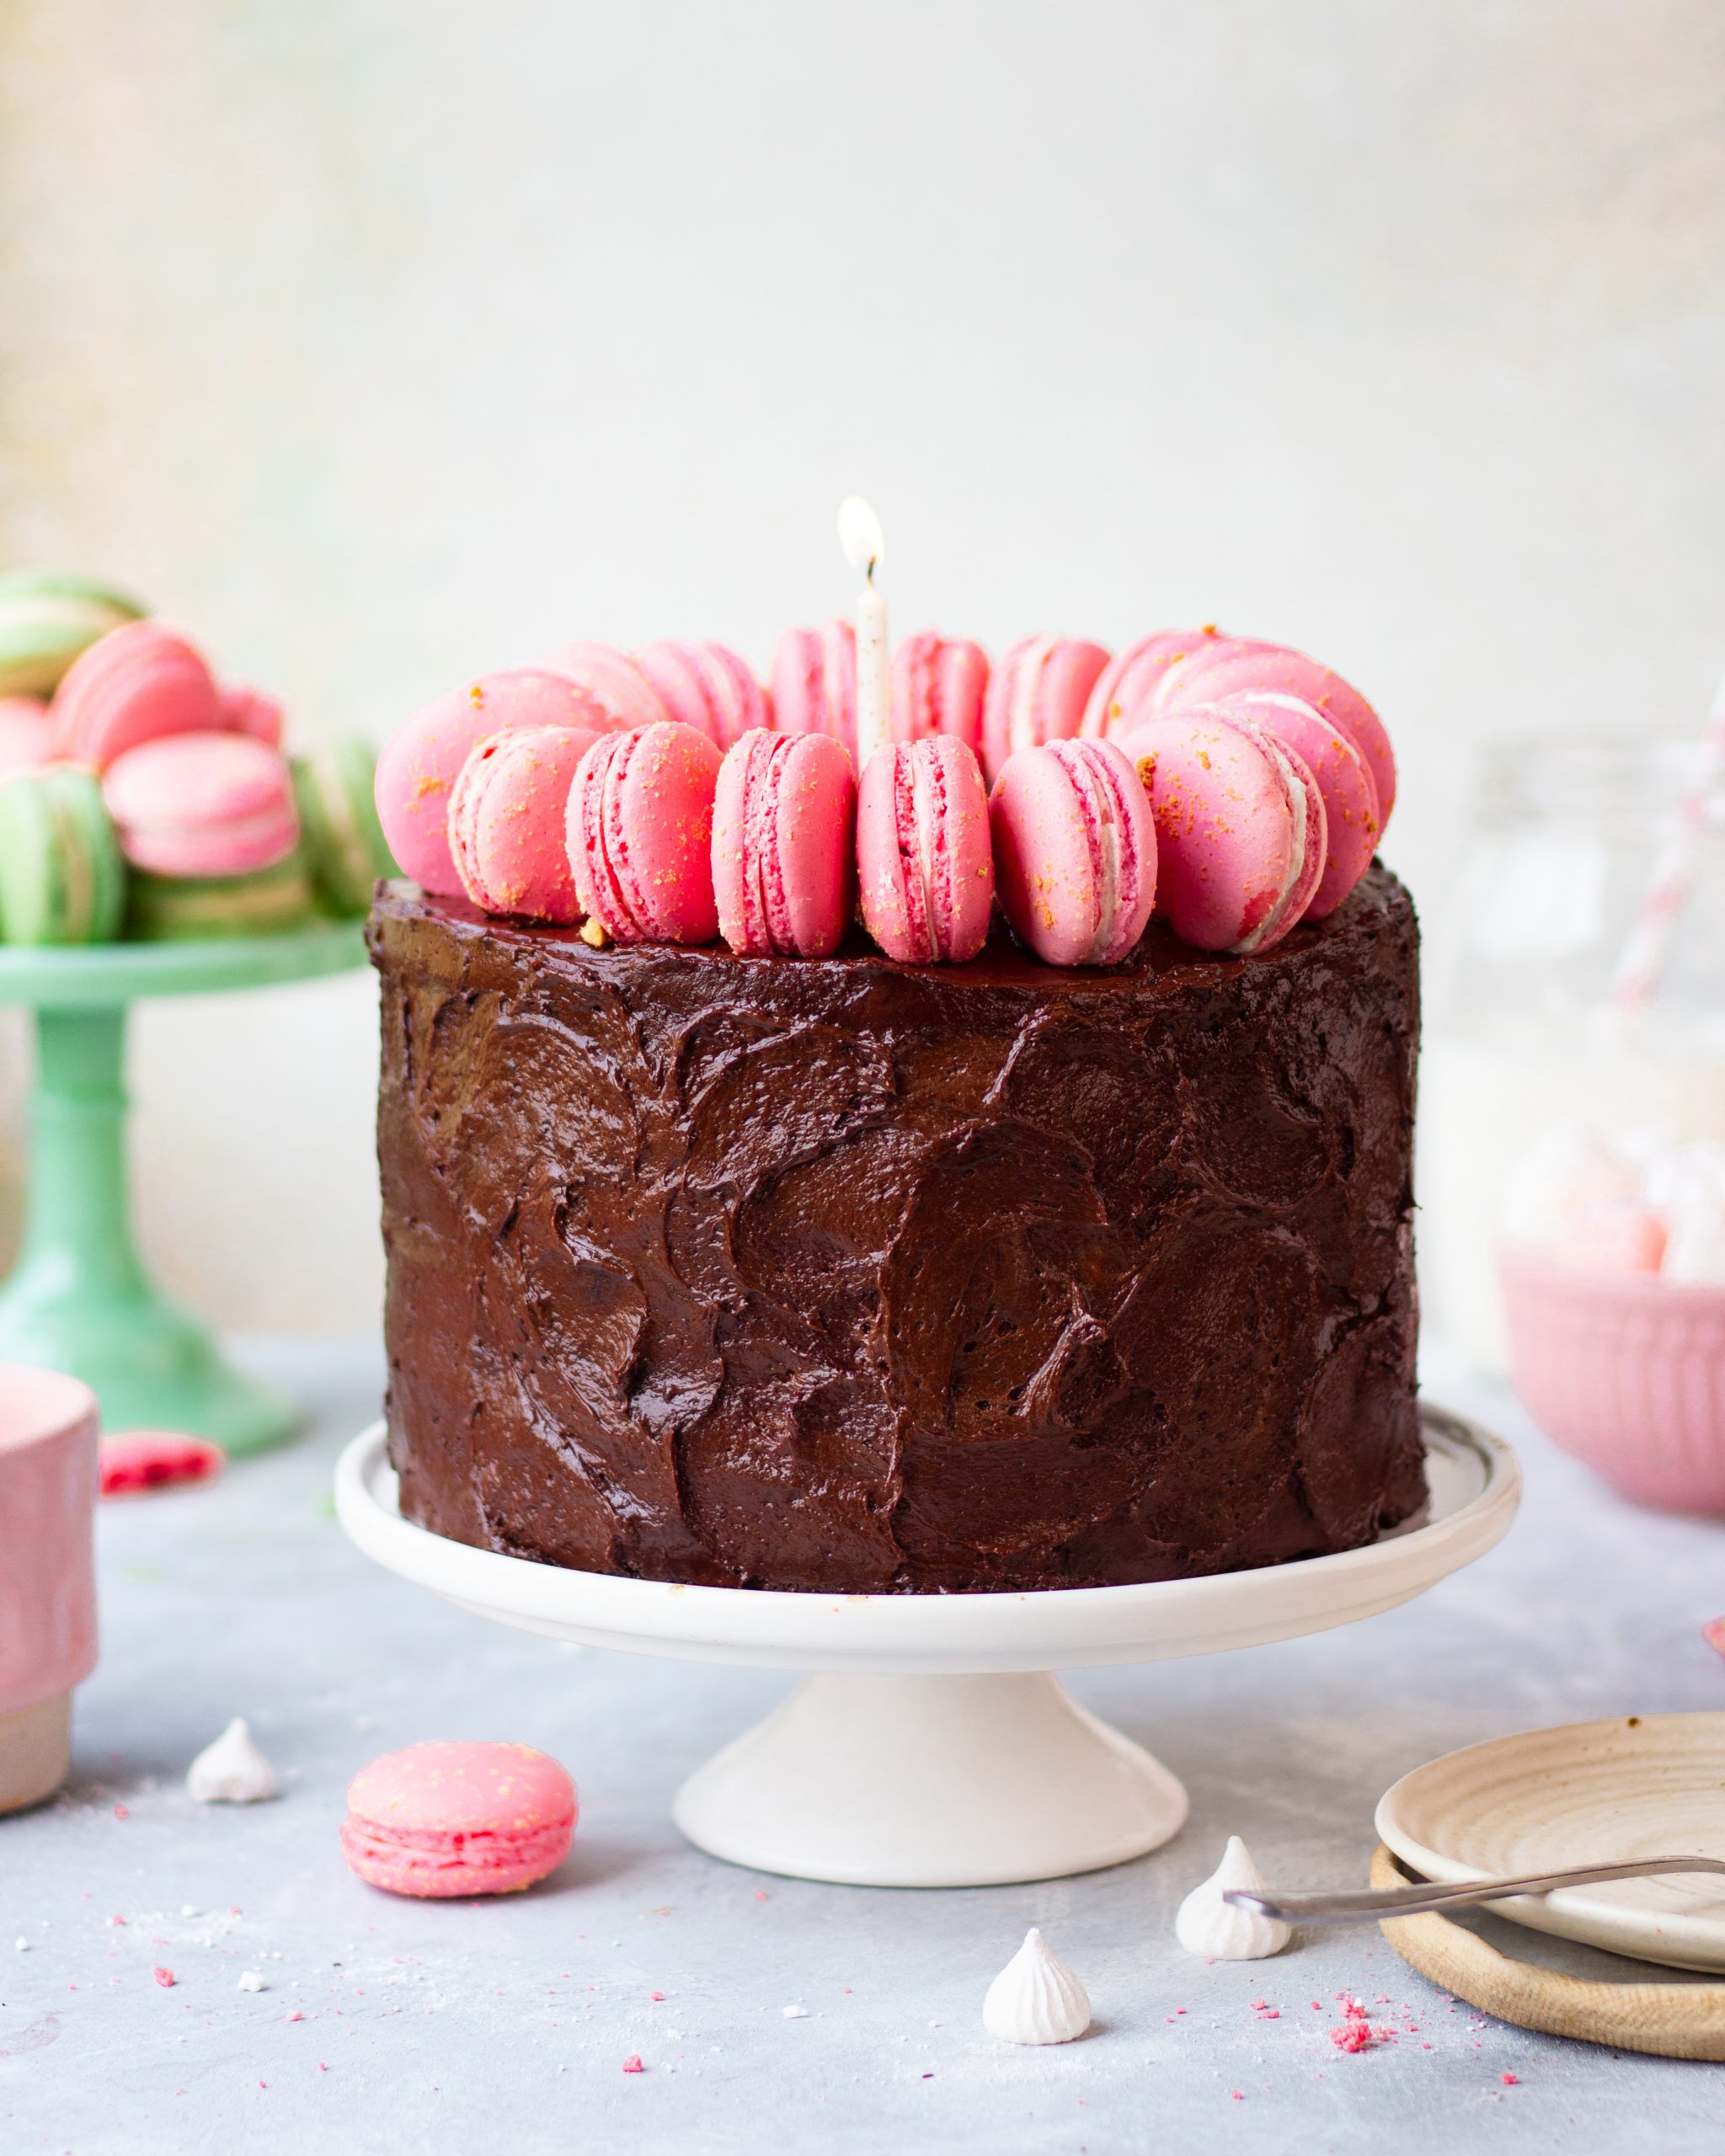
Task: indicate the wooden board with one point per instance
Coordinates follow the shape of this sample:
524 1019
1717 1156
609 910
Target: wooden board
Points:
1673 2021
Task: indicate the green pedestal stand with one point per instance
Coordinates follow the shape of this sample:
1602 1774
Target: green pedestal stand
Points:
78 1298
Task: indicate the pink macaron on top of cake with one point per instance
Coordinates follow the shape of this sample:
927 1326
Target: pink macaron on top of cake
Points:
708 686
1123 689
924 861
202 804
939 684
640 833
1343 777
1218 669
1075 851
616 678
1240 841
136 684
454 1819
507 821
1037 693
421 760
784 822
815 682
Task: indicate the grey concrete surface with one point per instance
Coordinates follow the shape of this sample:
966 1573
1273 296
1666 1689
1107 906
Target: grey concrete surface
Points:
387 2024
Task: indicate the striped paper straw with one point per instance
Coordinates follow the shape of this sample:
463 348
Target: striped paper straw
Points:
1641 965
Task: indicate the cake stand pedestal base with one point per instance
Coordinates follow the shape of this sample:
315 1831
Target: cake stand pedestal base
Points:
931 1781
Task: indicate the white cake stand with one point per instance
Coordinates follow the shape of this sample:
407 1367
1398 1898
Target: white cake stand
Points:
933 1747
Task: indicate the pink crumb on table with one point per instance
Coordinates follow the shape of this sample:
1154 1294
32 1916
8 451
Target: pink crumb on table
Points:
134 1461
1713 1632
121 1811
632 2064
1510 2080
165 1978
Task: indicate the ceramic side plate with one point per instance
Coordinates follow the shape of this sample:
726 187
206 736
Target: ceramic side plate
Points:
1589 1792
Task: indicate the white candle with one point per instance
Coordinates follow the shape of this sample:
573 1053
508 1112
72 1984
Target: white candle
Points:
860 535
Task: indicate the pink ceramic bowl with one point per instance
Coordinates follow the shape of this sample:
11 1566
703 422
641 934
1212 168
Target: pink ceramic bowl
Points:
1625 1371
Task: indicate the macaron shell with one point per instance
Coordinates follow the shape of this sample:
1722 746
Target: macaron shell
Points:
815 682
445 1819
1075 851
246 710
202 804
1037 693
47 620
924 859
507 821
1231 854
939 686
26 734
420 762
175 909
708 686
138 683
1342 777
1233 663
62 877
615 681
1122 691
334 788
783 828
639 833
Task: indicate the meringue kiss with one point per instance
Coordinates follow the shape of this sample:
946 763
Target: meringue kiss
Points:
1036 1998
1217 1929
231 1770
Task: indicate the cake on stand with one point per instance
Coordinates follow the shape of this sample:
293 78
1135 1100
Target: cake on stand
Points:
78 1299
929 1745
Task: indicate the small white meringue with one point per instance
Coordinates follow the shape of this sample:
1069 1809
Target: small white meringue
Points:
1036 1998
1217 1929
251 1980
231 1770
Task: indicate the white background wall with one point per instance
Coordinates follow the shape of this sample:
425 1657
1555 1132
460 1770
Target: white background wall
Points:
378 341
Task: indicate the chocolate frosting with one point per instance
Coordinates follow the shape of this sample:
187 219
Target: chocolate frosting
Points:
846 1274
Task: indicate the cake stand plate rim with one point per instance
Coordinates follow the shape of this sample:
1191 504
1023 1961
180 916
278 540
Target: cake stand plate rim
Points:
1062 1628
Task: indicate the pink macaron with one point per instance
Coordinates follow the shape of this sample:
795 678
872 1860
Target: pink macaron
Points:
784 833
246 710
1219 667
508 821
1123 689
939 686
640 834
1240 841
815 682
422 759
1344 778
447 1819
617 679
924 862
138 683
202 804
708 686
26 734
1075 851
1037 693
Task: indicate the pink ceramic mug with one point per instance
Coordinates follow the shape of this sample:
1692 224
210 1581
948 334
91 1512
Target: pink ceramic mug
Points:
1625 1370
47 1575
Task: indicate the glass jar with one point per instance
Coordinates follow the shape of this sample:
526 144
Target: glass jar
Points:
1522 1031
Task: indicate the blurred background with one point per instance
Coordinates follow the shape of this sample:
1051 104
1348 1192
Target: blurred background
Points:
377 342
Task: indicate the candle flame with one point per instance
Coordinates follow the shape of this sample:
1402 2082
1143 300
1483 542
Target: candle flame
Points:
860 535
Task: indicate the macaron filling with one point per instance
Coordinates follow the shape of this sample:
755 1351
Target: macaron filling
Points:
1267 930
767 910
924 865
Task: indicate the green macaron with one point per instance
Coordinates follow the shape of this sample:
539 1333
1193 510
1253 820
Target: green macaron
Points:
45 621
180 909
61 879
343 839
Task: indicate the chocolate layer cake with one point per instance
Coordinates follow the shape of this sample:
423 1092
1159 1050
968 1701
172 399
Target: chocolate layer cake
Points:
849 1275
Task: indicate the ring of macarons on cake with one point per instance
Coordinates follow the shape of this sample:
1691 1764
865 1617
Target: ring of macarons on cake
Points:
1232 788
143 797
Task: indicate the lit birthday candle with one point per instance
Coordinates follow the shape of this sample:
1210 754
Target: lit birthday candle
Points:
859 535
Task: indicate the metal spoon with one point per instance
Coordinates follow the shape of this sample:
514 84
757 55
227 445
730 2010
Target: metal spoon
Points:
1411 1900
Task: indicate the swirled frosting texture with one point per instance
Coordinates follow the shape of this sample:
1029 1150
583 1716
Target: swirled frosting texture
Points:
845 1274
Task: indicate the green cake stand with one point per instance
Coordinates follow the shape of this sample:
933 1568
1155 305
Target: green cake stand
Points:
79 1300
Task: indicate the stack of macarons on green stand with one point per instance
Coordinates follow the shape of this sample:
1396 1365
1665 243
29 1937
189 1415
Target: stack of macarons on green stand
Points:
1232 787
143 798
